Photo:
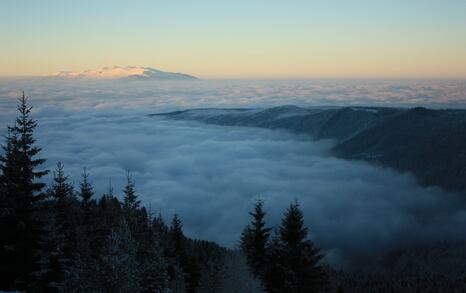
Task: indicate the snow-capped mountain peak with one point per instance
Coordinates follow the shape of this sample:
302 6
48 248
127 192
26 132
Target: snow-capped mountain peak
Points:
129 72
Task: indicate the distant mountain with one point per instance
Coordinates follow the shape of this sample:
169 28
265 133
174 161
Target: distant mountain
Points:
117 72
429 143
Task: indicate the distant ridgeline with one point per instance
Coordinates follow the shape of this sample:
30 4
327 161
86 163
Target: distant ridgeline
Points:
429 143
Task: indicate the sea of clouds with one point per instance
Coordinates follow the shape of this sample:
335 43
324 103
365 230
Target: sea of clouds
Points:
212 175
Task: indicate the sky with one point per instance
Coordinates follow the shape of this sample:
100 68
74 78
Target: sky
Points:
237 39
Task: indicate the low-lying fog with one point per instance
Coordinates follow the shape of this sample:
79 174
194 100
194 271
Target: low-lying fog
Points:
212 175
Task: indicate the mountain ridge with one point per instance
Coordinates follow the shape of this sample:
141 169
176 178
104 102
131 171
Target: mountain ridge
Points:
429 143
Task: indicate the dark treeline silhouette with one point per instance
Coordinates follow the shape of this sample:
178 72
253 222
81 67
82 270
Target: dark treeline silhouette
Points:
286 261
59 238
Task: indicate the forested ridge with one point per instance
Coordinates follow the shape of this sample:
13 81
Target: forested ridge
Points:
429 143
65 238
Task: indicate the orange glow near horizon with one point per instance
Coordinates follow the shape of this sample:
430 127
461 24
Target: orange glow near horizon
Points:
273 39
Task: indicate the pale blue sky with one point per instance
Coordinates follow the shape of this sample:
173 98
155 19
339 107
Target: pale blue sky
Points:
417 38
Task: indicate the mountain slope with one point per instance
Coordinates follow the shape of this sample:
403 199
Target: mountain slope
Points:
429 143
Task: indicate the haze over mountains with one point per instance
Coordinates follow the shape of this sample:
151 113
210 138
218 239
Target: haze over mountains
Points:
129 72
429 143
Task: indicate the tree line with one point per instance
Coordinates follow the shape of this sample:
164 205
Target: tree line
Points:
59 238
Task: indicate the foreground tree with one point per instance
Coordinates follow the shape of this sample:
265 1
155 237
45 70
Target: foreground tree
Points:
57 242
254 240
179 252
20 192
288 261
299 255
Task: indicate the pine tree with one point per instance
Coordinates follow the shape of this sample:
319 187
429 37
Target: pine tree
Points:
21 190
254 240
301 258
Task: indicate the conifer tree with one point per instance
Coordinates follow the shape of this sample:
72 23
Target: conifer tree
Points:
255 238
87 247
301 258
23 130
118 267
130 202
109 193
64 208
86 191
154 275
109 210
159 226
21 190
53 265
179 252
177 236
60 188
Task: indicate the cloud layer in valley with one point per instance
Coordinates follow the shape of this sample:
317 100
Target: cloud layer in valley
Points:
212 175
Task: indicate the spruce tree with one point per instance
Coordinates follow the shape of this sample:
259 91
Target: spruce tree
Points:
178 251
60 189
300 257
177 237
64 207
27 151
130 202
53 264
21 190
87 247
119 270
154 275
255 238
86 192
8 218
159 227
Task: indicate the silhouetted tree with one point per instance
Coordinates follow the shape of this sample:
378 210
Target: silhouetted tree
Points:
255 238
176 236
53 264
130 201
60 188
86 192
159 226
178 251
21 190
301 258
